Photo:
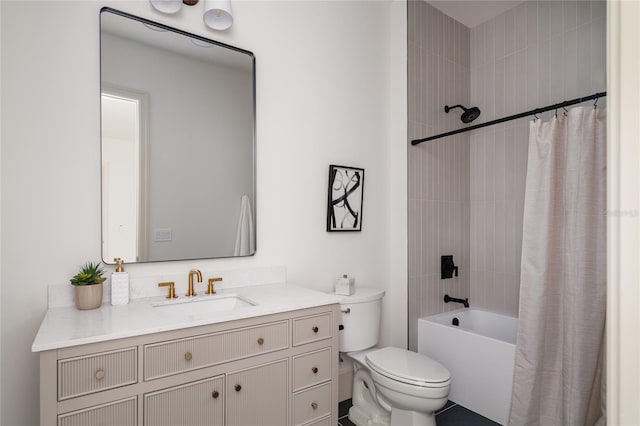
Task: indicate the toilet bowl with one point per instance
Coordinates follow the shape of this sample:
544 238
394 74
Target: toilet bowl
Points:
391 386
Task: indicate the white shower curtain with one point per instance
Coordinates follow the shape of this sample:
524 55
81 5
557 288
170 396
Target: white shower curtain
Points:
560 347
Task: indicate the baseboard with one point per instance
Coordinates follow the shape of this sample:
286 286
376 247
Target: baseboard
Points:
345 380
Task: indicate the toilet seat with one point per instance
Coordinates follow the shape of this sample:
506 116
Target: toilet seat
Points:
408 367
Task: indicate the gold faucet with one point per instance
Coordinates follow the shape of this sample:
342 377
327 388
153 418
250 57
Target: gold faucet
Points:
190 292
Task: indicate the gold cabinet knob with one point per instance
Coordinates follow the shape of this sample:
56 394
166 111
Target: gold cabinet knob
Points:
314 405
315 370
260 341
100 374
188 356
238 388
215 394
315 329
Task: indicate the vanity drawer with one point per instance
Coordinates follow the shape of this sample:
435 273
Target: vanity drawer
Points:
96 372
311 404
176 356
311 329
311 369
121 413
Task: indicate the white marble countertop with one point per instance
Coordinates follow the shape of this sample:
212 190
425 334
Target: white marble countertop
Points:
67 326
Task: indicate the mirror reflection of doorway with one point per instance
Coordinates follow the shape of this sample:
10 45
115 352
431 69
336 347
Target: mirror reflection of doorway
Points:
124 130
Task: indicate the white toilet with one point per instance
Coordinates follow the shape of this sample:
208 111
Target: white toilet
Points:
391 386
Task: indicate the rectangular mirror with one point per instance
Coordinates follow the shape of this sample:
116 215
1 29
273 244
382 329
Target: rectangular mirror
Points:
178 143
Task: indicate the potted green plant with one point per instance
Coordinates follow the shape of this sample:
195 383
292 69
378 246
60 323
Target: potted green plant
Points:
88 286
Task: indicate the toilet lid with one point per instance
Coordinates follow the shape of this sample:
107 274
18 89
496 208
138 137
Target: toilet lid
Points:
408 367
362 295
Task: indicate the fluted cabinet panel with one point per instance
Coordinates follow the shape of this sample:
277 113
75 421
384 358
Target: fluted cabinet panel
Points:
258 396
121 413
181 355
96 372
193 404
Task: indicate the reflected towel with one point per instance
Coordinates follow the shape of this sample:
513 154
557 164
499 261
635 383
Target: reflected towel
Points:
245 238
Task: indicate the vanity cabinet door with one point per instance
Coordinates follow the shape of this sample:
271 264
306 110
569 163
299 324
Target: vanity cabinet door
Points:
258 396
193 404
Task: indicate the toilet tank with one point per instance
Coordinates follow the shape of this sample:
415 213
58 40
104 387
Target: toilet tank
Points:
360 319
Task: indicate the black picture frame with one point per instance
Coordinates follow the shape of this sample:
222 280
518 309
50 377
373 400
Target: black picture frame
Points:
344 206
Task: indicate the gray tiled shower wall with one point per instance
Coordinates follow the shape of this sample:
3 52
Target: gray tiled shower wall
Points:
466 192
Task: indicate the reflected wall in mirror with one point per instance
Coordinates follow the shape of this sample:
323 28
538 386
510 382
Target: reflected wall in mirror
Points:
178 143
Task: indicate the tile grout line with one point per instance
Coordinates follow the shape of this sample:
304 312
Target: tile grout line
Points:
446 409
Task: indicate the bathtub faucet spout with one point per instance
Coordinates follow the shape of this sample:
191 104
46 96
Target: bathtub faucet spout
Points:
448 299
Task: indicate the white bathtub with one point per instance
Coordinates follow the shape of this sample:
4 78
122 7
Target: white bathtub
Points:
479 353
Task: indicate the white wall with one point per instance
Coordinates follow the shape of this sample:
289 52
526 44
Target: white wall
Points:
329 90
0 220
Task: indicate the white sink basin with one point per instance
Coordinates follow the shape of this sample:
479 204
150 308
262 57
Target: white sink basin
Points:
203 304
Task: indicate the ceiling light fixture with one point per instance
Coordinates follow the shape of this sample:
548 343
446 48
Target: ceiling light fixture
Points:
217 14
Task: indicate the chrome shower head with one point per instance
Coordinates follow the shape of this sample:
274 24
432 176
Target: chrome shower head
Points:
468 115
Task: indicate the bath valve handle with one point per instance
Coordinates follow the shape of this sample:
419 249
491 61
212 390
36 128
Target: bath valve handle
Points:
447 268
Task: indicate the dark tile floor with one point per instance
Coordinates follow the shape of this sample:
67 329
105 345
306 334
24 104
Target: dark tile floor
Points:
451 415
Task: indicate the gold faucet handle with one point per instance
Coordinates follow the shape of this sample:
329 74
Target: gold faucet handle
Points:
210 289
172 290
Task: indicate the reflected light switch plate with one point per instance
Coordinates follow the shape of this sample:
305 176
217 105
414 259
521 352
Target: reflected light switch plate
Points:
162 234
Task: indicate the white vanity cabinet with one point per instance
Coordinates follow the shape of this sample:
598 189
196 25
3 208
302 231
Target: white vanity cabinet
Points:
271 370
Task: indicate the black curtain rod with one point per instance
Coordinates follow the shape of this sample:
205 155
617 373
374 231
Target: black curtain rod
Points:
512 117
